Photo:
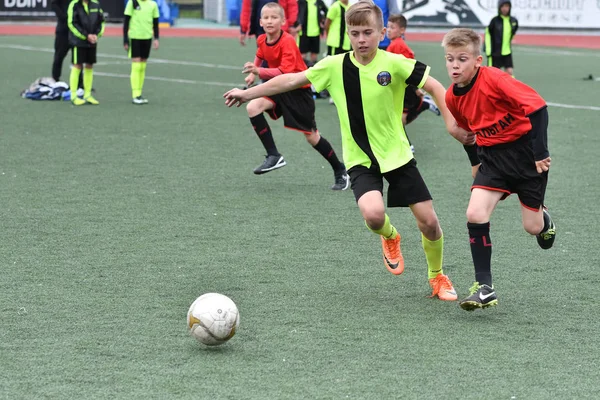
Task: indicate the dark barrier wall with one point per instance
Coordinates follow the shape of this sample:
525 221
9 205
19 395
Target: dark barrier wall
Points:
40 9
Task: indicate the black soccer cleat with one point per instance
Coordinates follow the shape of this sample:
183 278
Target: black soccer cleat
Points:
482 296
270 163
342 181
546 239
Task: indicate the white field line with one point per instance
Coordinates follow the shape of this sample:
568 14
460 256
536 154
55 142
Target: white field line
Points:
207 65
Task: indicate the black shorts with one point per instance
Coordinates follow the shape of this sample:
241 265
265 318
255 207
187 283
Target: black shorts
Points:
310 44
140 48
411 99
297 108
83 55
332 51
501 61
510 168
406 186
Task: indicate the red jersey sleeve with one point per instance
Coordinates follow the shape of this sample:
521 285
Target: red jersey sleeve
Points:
399 46
260 42
245 16
520 95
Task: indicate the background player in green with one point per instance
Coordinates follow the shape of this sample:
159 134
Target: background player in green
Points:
85 19
311 15
368 86
510 122
140 26
335 27
498 37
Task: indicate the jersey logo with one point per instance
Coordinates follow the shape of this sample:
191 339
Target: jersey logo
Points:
384 78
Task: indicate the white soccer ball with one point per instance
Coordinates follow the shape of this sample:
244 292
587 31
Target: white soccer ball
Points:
213 319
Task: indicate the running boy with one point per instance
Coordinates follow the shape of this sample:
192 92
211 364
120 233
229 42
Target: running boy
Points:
368 87
139 28
279 50
510 122
498 38
85 19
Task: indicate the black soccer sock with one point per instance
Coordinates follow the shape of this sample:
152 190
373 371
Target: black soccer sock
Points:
481 251
262 129
325 149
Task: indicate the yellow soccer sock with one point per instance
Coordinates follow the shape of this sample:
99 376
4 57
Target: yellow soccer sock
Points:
136 90
142 76
74 81
434 253
88 80
387 230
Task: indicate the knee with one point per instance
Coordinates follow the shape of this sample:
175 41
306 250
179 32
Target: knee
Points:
477 215
430 227
533 227
374 218
254 108
312 138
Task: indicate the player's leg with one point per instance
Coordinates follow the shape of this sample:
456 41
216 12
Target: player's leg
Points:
256 109
61 49
88 75
144 55
76 67
323 147
136 68
536 218
508 65
480 208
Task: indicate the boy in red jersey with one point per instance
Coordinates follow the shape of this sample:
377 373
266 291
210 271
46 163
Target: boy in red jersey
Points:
280 51
415 101
510 121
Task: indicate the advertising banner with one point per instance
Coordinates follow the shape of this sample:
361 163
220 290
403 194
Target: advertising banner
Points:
42 9
477 13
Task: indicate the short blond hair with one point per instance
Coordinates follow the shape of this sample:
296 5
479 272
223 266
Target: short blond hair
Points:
463 37
364 13
275 6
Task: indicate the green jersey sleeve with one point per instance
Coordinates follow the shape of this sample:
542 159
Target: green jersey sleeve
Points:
129 8
320 73
411 71
156 14
333 11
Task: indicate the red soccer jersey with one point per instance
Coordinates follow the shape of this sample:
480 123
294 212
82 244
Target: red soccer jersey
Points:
399 46
282 54
494 106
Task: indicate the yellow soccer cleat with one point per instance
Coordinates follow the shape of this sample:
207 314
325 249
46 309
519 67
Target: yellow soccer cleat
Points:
77 101
91 100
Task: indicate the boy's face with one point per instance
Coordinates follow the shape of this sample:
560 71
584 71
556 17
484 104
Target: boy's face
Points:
365 39
505 9
271 20
394 31
462 64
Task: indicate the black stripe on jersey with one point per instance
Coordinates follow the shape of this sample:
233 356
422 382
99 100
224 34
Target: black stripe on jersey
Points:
342 27
356 113
417 75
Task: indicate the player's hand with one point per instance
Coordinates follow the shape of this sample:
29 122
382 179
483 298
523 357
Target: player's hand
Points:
543 165
126 46
243 38
235 97
91 38
155 43
463 136
249 79
250 68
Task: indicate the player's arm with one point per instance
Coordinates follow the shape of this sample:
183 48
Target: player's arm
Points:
438 92
100 29
539 139
155 29
245 15
279 84
327 25
74 25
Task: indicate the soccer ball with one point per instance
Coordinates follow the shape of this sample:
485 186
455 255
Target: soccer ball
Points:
213 319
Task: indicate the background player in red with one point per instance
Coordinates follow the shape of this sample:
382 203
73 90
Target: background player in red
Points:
415 101
251 13
510 122
280 51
